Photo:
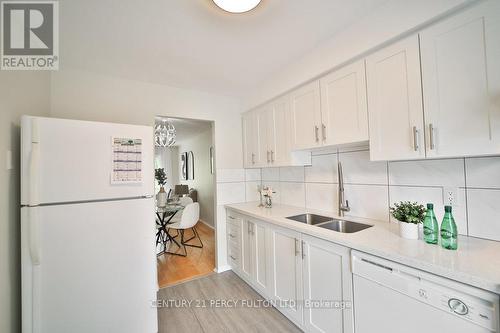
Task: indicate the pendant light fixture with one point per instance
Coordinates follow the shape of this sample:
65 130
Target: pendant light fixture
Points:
165 134
237 6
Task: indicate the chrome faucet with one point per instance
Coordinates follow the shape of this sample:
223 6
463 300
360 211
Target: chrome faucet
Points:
343 204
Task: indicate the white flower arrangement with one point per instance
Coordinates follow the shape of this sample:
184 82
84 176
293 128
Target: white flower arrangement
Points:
268 192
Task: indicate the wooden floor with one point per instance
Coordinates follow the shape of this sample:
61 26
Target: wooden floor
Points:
224 286
199 262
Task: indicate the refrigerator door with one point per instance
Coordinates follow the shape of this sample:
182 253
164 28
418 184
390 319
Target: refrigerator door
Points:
89 268
73 161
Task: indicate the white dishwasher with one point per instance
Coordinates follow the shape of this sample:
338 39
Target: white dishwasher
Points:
393 298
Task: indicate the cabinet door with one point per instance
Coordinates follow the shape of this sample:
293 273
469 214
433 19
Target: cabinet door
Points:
324 281
461 81
250 140
344 111
286 263
306 116
247 249
264 124
279 132
395 102
261 255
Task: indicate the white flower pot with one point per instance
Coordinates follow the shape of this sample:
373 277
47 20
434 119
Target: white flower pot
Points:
161 198
408 230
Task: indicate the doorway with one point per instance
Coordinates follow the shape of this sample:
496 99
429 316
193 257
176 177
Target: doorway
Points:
185 200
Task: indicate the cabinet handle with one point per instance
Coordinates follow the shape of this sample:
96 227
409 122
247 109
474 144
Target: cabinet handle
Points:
431 137
415 138
272 156
231 235
232 257
232 218
297 251
316 129
253 158
302 249
323 131
267 154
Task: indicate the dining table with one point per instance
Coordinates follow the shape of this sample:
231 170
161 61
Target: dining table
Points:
164 216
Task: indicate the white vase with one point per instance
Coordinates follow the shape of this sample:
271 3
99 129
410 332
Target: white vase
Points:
161 198
408 230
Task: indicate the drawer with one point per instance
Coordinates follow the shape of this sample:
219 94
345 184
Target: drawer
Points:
233 218
233 256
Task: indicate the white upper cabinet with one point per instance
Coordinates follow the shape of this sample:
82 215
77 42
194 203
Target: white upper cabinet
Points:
306 116
461 83
395 102
264 133
343 105
250 140
279 132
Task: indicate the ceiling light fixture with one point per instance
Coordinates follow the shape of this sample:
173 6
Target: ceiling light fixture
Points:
165 134
237 6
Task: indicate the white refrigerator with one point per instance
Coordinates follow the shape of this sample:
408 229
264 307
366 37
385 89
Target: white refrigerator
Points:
87 227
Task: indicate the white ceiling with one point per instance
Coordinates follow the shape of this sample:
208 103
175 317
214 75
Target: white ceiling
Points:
193 44
187 128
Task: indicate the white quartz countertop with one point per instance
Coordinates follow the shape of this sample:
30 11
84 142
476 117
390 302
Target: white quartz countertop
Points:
476 262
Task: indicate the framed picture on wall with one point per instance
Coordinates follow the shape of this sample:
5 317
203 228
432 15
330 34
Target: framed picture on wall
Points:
184 166
190 159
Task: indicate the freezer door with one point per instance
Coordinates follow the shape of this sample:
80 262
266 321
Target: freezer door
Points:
72 161
89 268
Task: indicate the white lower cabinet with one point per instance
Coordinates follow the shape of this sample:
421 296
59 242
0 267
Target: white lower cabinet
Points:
308 278
327 286
286 263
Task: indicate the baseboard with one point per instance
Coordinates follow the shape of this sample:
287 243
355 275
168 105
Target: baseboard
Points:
205 223
222 269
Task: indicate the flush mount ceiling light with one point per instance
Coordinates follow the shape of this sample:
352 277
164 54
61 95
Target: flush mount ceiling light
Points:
237 6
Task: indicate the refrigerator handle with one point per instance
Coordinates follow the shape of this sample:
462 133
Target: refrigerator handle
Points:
34 236
34 164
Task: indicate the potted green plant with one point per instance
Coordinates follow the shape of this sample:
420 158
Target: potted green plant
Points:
409 215
161 178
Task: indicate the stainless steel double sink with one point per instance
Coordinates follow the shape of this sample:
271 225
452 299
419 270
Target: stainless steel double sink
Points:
330 223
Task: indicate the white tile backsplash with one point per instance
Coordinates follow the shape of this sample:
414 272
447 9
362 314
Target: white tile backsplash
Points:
292 174
358 169
230 175
371 187
484 208
293 194
321 196
370 201
483 172
449 172
251 191
323 169
252 175
272 174
228 193
433 195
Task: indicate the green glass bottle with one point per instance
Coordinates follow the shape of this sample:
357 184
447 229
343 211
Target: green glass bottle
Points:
431 227
448 230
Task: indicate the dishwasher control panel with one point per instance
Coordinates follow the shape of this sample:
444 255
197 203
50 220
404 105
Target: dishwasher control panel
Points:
463 301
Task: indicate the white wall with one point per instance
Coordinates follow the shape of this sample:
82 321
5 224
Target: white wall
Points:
204 180
384 24
371 187
20 93
83 95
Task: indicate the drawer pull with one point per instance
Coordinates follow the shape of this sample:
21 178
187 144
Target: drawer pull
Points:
232 257
232 218
231 235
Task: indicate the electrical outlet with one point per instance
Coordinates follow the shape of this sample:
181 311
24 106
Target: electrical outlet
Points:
450 196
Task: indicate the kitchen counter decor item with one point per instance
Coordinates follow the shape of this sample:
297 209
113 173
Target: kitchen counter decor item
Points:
431 227
448 230
409 215
267 193
161 178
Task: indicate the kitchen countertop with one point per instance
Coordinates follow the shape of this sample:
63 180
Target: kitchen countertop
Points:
476 262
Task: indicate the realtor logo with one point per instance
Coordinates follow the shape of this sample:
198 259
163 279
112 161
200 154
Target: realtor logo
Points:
30 35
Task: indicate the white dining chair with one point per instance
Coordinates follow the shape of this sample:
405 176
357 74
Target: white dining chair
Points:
184 201
190 216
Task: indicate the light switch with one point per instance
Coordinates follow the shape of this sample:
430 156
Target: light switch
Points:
9 160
